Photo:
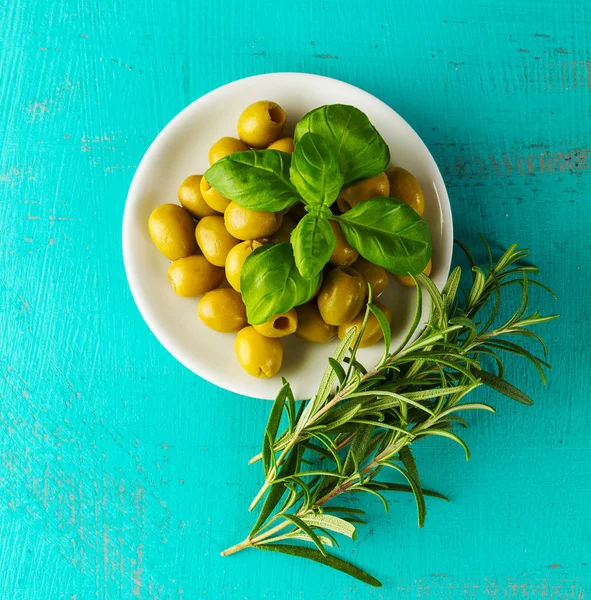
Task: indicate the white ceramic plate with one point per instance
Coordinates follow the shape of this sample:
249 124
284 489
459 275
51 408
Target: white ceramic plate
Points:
181 150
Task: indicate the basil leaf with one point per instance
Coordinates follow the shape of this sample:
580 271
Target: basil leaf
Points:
359 148
315 171
255 179
389 233
271 283
313 242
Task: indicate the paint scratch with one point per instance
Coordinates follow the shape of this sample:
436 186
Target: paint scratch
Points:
122 64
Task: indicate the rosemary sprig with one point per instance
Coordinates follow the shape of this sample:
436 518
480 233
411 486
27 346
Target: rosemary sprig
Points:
361 424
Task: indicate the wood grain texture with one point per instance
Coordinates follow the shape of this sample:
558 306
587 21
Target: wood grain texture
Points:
113 483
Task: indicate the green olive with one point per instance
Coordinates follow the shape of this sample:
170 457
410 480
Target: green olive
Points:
194 276
261 123
192 200
364 189
373 332
311 327
283 234
212 197
246 224
235 261
258 355
280 325
214 240
222 310
409 281
405 187
225 146
283 145
172 230
343 255
375 275
341 296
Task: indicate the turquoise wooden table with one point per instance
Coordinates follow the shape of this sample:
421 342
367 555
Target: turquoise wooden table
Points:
112 482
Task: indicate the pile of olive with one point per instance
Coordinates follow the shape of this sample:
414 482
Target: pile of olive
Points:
209 237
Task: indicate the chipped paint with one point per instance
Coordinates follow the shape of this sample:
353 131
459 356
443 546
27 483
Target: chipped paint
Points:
37 110
523 164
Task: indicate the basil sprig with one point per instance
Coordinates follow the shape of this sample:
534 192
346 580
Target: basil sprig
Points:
334 145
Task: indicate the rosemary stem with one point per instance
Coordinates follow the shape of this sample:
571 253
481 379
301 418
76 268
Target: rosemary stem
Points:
340 396
251 542
267 534
343 487
237 547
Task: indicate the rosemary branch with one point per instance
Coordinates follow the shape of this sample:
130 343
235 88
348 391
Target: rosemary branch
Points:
363 422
